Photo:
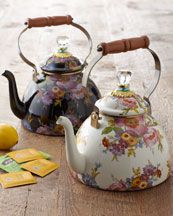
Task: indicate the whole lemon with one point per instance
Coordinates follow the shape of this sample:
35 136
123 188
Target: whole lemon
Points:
8 136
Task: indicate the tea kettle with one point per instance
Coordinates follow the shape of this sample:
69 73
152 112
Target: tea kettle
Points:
56 88
120 147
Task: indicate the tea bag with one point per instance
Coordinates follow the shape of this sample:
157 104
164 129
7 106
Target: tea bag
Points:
8 164
17 178
40 167
25 155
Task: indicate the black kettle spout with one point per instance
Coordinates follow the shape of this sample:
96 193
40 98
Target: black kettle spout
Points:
18 107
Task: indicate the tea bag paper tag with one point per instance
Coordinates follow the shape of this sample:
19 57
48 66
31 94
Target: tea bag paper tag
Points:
8 164
17 178
25 155
40 167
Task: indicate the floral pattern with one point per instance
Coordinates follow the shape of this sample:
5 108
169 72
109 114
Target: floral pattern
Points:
62 61
90 179
134 104
128 104
128 134
60 95
141 179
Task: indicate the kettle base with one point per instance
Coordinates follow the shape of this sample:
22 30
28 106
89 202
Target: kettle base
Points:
129 190
78 178
119 185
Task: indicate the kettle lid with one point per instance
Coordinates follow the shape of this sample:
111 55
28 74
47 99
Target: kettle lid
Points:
122 101
62 61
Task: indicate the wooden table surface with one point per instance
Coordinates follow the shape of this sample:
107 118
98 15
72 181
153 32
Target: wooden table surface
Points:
106 20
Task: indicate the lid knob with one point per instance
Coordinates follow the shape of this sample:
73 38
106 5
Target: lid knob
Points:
123 89
124 78
63 42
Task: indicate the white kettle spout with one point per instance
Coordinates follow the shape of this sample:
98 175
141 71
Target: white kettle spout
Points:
75 159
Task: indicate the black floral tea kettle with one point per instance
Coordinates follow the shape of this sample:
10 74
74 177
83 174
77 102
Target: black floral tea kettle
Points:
56 88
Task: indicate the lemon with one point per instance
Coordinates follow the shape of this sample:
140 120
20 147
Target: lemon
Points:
8 136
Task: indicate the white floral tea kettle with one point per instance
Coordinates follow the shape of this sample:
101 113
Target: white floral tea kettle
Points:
120 146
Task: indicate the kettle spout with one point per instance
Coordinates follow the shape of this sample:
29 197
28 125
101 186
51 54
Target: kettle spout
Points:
75 159
18 107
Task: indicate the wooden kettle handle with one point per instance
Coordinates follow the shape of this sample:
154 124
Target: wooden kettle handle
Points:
124 45
49 21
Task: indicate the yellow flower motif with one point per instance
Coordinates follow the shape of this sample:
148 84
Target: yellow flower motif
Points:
125 136
143 184
136 182
129 139
132 141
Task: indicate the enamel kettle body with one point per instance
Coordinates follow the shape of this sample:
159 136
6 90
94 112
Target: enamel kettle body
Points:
120 147
124 153
59 95
56 88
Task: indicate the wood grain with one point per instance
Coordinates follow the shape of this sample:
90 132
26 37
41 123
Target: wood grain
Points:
106 20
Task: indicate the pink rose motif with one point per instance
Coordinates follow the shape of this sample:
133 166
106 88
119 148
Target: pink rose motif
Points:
121 186
151 137
138 131
132 122
129 103
136 126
